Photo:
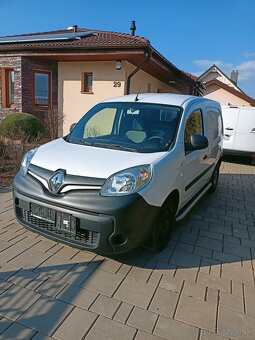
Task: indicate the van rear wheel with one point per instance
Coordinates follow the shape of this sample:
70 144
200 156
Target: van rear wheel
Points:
162 228
214 179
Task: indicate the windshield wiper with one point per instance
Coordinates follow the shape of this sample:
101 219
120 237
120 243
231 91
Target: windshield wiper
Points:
114 146
80 141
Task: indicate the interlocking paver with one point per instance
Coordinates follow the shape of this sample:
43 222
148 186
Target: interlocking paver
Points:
45 315
123 312
30 259
140 274
142 319
16 300
238 273
135 292
103 282
197 312
109 329
231 301
55 266
77 296
4 324
194 290
23 277
214 282
141 335
171 283
51 287
208 265
76 325
17 332
78 274
183 259
235 324
105 306
164 302
175 330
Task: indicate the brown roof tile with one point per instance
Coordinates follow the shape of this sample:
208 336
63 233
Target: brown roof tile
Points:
101 39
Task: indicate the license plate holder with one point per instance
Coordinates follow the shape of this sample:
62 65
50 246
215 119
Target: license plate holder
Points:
66 223
42 213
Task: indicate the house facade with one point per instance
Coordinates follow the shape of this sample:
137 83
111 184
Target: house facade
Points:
218 86
71 70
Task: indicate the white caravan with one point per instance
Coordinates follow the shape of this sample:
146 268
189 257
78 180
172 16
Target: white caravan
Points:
239 130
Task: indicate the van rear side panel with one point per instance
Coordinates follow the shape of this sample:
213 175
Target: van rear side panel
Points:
245 132
239 129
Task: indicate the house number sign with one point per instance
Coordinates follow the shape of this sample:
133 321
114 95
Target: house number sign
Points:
116 84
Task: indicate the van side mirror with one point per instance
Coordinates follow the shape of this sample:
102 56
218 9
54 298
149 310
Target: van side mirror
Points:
198 142
72 126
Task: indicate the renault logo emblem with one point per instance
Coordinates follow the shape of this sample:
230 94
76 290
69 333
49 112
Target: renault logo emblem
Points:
56 181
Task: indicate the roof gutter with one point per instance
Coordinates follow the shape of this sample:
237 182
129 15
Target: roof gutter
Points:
149 54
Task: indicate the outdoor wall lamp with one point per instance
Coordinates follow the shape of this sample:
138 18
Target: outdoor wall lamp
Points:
118 65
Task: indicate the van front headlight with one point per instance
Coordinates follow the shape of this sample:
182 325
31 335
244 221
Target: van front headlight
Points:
127 181
26 161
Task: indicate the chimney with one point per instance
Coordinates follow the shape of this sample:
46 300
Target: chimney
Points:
234 76
75 28
132 27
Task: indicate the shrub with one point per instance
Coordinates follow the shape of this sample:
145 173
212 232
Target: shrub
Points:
21 125
2 149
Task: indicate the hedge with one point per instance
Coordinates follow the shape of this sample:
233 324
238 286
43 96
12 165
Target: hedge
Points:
21 125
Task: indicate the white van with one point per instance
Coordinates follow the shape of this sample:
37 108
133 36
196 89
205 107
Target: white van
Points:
239 130
127 169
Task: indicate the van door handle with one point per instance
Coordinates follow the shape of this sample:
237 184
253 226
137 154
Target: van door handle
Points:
253 130
205 156
228 128
227 135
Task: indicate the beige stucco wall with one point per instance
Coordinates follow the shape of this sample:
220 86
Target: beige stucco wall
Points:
142 79
71 101
74 104
223 97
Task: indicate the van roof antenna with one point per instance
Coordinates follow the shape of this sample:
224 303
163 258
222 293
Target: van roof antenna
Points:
136 98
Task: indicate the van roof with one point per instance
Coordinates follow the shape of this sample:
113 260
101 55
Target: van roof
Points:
156 98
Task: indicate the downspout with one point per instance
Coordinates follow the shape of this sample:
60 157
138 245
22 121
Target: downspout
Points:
136 70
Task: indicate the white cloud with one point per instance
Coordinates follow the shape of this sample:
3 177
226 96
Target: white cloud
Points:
206 63
246 71
249 54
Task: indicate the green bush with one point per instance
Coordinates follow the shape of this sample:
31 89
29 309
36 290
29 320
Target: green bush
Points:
21 126
2 148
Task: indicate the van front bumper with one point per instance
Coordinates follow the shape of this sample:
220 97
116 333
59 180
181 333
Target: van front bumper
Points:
83 218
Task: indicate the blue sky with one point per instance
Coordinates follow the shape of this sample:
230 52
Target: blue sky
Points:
191 34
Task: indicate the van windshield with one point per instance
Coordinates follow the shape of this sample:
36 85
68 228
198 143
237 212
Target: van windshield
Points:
137 127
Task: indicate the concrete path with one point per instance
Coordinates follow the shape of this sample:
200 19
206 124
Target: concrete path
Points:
200 287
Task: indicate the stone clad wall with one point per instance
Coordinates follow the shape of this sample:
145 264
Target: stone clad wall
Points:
15 63
23 95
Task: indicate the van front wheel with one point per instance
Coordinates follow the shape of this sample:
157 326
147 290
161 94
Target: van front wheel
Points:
214 179
162 228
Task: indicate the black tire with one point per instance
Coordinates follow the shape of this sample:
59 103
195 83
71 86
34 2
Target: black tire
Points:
162 228
214 179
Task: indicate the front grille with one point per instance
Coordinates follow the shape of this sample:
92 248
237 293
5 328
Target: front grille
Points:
86 237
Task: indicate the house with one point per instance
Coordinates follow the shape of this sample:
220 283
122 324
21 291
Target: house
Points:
73 69
218 86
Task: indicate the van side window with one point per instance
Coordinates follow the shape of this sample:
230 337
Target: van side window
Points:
194 125
214 124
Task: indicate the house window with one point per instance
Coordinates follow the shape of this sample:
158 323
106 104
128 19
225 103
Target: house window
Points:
42 89
87 82
8 80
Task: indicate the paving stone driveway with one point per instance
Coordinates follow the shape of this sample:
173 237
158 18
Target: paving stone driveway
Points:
200 287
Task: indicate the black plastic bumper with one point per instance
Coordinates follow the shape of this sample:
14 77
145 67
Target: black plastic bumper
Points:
105 225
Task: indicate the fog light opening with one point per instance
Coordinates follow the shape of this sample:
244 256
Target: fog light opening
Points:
119 239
